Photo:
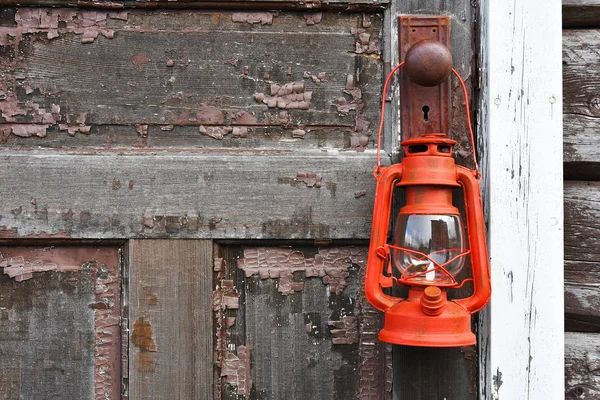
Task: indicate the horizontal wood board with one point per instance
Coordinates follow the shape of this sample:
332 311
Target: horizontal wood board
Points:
582 256
580 14
312 195
582 366
581 104
188 79
170 321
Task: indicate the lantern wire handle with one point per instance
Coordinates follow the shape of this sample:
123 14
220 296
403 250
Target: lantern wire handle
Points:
377 171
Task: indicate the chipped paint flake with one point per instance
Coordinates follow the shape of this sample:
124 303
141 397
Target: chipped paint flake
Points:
288 96
331 265
263 18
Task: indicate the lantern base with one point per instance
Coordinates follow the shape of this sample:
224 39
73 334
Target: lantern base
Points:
406 324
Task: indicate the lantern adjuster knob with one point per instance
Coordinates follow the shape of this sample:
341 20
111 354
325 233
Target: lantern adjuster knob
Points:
432 301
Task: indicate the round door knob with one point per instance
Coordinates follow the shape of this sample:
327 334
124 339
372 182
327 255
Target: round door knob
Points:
428 63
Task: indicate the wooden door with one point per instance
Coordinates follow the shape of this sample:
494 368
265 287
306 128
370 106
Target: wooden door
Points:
227 149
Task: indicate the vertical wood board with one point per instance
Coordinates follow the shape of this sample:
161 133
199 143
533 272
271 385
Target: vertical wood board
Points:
59 323
170 322
301 327
522 166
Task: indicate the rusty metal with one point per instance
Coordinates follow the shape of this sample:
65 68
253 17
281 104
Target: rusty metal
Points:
424 109
428 63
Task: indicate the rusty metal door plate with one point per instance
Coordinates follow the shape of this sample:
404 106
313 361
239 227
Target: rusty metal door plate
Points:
423 109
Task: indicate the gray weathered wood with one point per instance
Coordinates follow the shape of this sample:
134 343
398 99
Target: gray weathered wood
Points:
250 194
59 323
310 5
582 296
582 256
581 104
582 212
305 322
151 88
580 13
582 366
170 321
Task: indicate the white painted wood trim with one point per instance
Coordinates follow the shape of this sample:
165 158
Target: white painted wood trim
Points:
522 330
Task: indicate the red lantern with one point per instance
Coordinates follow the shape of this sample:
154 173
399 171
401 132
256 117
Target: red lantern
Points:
429 248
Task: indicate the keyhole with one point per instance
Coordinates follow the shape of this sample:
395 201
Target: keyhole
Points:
425 113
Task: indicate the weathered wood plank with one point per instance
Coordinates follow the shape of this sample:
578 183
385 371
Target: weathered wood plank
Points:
60 335
580 13
521 115
303 326
582 211
258 195
147 77
582 366
310 5
582 256
582 296
581 104
170 321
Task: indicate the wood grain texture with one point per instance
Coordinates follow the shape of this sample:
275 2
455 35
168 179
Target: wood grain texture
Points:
261 87
580 13
59 323
582 364
581 104
187 195
522 119
582 257
303 317
170 321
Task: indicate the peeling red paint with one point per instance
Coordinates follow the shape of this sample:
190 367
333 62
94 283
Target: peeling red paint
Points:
54 22
108 330
21 269
116 184
313 18
298 133
344 331
139 60
219 132
311 179
366 43
142 130
236 370
331 265
264 18
288 96
361 133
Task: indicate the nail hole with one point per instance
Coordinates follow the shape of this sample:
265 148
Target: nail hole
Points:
425 113
414 30
435 30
